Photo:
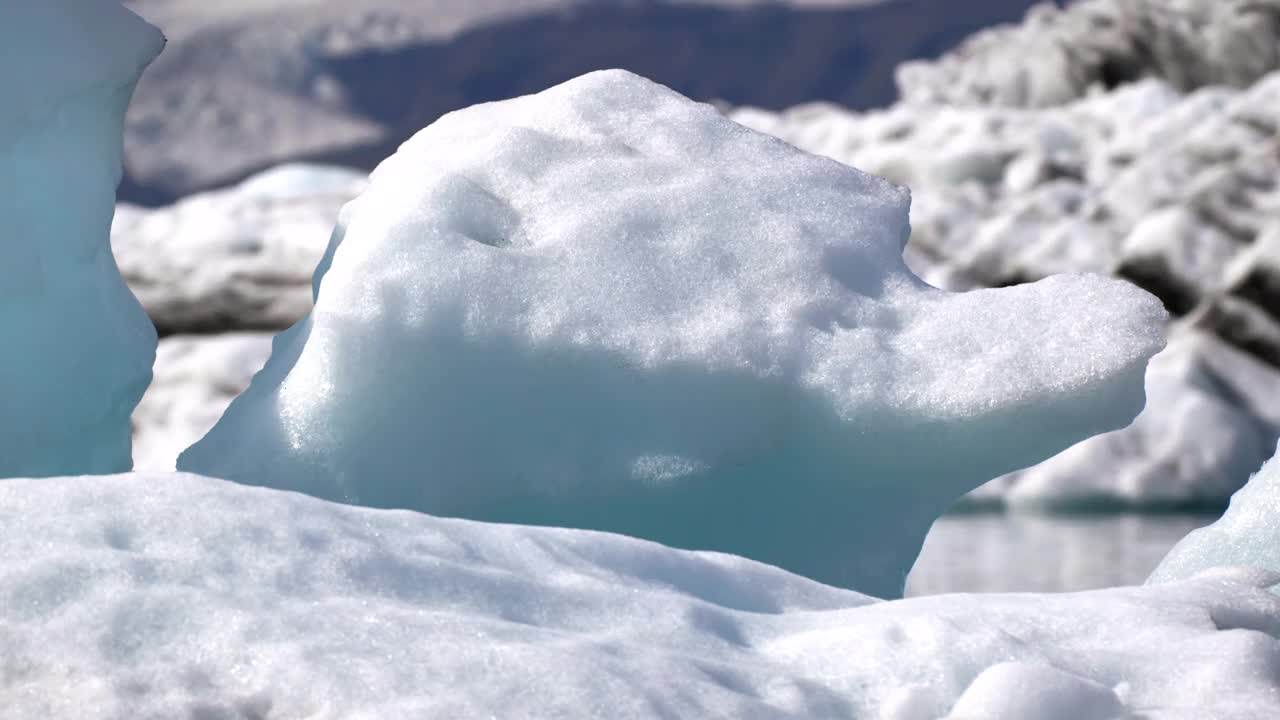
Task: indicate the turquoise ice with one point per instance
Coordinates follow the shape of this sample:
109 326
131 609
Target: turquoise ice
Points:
608 307
76 347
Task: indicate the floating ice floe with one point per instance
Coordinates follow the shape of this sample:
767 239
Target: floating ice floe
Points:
608 307
165 596
75 347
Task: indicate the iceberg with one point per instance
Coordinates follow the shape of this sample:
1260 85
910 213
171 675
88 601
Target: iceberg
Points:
608 307
1247 534
172 595
194 379
77 347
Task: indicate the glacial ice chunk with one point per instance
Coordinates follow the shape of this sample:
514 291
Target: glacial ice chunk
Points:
1247 534
75 346
608 307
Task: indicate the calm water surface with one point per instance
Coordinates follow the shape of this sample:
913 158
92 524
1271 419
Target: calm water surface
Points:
997 552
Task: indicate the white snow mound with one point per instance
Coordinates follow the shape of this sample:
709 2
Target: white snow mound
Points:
175 596
75 346
606 306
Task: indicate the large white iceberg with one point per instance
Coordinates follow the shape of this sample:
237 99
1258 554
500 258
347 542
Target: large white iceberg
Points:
174 596
1247 534
75 346
608 307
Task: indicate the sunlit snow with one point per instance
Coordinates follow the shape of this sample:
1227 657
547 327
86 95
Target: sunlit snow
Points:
539 301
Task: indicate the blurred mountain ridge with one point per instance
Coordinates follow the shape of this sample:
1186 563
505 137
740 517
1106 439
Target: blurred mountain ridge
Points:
247 84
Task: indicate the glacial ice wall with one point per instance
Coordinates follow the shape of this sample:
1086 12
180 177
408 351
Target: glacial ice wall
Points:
608 307
77 347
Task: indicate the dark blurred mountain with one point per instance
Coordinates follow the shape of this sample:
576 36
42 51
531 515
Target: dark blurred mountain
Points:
247 84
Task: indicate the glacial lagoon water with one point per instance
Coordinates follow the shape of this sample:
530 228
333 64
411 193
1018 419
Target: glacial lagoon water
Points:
1017 552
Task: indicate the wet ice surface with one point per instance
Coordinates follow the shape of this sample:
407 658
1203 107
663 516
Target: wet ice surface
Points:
1024 552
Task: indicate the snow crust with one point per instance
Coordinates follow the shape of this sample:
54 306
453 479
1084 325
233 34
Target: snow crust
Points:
1247 534
605 306
77 348
149 596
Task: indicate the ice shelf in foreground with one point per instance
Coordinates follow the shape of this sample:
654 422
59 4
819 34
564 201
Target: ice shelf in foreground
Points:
1247 534
608 307
175 596
75 346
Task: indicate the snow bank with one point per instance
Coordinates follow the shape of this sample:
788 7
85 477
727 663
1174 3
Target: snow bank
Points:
77 349
608 307
1248 534
179 596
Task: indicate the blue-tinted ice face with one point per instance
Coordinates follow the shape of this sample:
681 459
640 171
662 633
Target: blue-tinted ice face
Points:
76 348
608 307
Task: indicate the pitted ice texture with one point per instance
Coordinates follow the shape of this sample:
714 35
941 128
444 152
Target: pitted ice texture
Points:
606 306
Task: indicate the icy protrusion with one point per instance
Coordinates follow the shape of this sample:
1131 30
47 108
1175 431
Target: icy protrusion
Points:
537 298
174 596
75 346
1203 430
1178 193
1247 534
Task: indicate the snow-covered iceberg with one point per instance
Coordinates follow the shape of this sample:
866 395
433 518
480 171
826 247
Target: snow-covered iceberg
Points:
76 347
1247 534
167 596
608 307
